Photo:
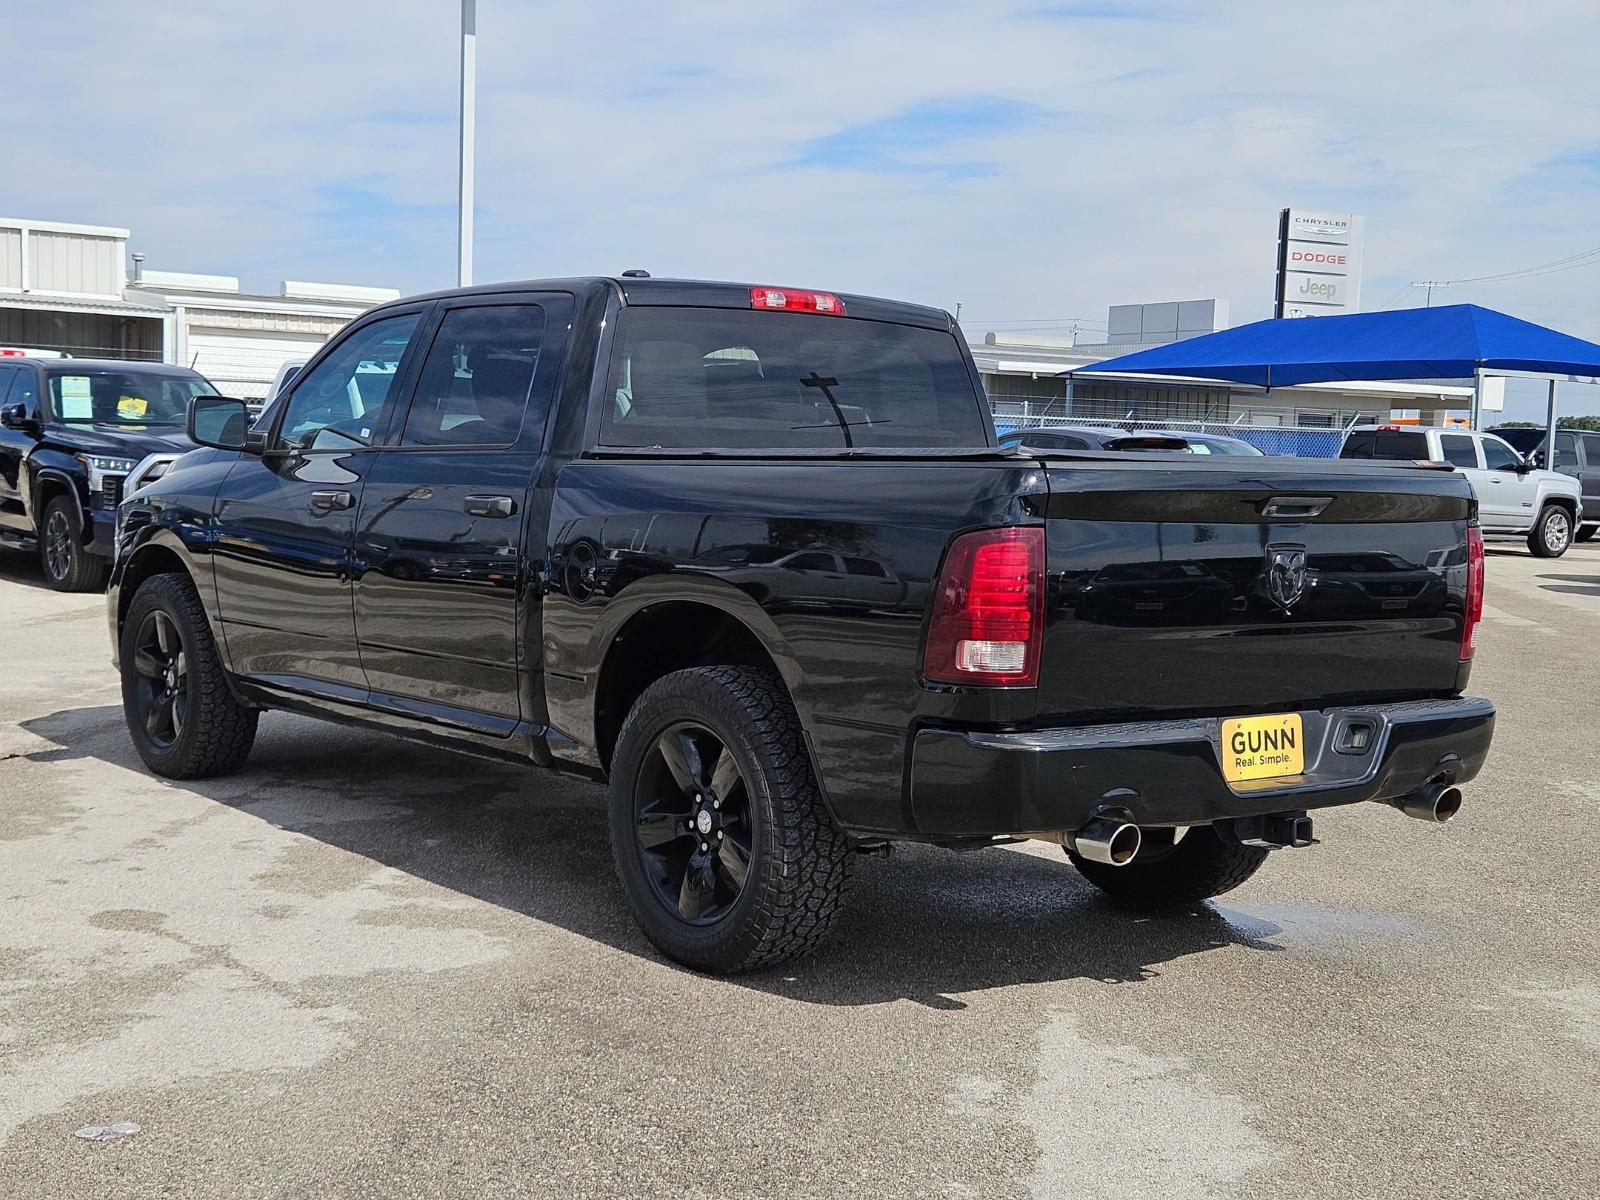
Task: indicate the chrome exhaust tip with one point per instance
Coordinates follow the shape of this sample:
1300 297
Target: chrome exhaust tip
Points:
1434 802
1106 840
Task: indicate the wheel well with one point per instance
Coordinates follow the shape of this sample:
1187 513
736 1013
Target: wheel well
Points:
1566 502
47 489
147 562
657 641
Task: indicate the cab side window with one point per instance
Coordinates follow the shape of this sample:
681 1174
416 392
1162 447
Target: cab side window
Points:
474 385
1497 456
343 402
1566 452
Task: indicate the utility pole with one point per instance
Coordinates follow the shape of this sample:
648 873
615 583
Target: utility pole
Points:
469 100
1430 284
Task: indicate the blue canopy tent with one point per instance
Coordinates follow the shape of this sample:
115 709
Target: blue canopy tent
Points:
1456 341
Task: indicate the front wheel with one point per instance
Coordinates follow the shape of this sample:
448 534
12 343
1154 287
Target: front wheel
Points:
68 565
1551 533
184 720
1175 868
726 851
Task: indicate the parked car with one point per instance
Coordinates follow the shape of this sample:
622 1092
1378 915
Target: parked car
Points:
1514 496
1077 437
75 434
626 595
1577 454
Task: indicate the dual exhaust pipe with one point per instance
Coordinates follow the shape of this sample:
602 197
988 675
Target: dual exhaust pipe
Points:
1434 802
1107 840
1115 842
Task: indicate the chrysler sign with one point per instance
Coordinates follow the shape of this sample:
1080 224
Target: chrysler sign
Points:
1319 264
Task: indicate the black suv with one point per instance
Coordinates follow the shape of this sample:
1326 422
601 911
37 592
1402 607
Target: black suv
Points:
73 432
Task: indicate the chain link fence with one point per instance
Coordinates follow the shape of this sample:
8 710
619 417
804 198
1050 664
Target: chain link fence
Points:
1269 439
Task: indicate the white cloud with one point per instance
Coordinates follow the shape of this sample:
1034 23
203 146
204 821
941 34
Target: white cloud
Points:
1147 159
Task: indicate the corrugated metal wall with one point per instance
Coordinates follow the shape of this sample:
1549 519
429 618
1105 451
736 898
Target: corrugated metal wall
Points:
72 262
11 259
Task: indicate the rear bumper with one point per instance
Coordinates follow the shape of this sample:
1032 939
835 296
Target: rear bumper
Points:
969 784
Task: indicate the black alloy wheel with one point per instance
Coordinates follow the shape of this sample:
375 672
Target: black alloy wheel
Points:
58 544
161 693
693 824
725 848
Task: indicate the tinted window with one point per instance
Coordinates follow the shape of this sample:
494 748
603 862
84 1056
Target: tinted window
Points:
1458 449
25 391
701 377
1566 452
113 397
1385 443
811 562
1497 456
474 384
6 374
863 566
1238 449
1054 441
1591 447
342 401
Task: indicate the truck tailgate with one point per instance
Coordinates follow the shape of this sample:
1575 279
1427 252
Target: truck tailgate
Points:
1235 587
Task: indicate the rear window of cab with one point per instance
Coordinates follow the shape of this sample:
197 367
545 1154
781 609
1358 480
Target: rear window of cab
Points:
712 378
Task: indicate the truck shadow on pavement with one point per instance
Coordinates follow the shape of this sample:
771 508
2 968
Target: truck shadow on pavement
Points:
927 925
1575 585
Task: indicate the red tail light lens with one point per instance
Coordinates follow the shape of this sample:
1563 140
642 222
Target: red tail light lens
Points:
988 610
791 300
1473 613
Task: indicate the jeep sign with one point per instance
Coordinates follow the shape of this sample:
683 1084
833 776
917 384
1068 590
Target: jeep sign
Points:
1319 264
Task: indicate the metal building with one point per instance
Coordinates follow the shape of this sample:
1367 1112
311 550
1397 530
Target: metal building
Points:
67 287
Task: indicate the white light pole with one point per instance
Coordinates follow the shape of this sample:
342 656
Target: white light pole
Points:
469 92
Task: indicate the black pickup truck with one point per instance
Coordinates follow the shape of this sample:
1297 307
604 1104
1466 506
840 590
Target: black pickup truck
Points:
754 555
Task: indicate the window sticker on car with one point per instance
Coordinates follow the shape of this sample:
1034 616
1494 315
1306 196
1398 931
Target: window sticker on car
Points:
132 407
77 398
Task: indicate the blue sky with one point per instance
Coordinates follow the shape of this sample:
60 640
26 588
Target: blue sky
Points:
1032 161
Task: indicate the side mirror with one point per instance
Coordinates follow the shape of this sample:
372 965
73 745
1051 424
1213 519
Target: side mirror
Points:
219 422
1531 463
15 416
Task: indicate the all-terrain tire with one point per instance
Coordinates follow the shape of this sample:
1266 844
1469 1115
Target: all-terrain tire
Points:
217 730
1203 864
800 862
67 564
1551 534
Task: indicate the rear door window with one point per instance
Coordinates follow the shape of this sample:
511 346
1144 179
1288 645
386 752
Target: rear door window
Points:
474 385
1459 449
711 377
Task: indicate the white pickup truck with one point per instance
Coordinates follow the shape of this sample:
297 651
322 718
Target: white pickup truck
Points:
1514 496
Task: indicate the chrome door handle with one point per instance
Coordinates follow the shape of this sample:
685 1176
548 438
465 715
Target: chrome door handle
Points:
331 500
489 506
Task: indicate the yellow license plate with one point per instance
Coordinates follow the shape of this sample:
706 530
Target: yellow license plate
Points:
1263 747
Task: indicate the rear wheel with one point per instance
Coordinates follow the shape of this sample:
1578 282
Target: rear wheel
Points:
727 854
184 721
1551 533
1175 868
68 566
1587 532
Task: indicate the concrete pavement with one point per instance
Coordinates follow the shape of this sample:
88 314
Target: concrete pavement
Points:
361 967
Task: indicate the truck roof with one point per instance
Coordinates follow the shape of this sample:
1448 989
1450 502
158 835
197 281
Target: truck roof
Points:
697 293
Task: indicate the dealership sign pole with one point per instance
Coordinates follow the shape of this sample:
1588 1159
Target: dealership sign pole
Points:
469 100
1319 264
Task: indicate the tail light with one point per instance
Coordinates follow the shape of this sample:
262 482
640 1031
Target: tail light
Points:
988 610
1473 612
793 300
